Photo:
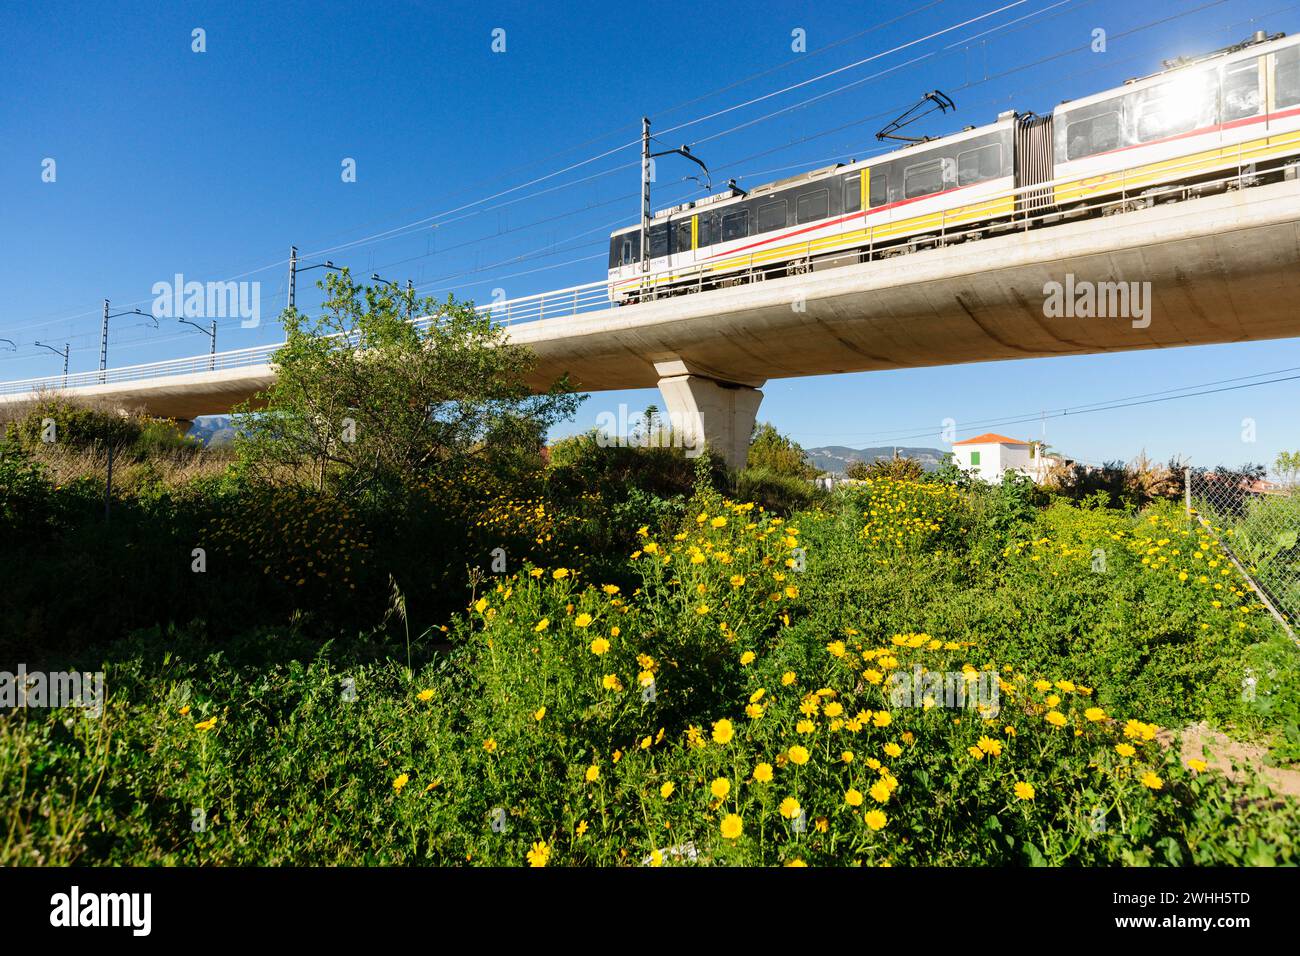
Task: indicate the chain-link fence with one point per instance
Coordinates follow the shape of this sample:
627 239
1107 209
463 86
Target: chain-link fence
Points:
1258 524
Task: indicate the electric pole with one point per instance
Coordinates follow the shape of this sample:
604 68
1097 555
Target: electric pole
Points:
645 196
67 348
294 270
647 158
211 333
103 334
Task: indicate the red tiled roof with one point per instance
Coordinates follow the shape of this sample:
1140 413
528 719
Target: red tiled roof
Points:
991 438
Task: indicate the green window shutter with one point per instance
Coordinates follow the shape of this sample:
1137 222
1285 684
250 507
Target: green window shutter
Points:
974 459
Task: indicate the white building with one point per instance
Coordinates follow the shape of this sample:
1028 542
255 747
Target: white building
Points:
989 456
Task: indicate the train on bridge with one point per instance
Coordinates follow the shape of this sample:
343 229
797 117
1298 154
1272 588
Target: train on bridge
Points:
1225 120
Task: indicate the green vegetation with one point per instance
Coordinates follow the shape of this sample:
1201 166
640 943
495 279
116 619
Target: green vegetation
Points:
436 645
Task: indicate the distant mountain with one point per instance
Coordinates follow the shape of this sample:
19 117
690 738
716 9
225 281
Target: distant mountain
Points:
215 431
835 459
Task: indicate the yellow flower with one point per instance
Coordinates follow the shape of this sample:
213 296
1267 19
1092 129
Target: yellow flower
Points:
424 695
206 725
796 863
656 858
1056 718
481 605
593 773
853 797
875 819
805 727
490 745
789 808
599 646
753 711
737 580
185 710
610 589
798 755
1200 766
1125 750
1025 791
731 824
1095 714
723 731
1149 779
787 678
702 610
539 713
542 625
582 620
847 756
539 854
401 781
581 828
719 522
763 773
881 718
893 750
755 697
746 658
836 648
990 746
880 791
667 789
561 574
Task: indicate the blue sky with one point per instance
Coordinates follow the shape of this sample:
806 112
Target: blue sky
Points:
211 164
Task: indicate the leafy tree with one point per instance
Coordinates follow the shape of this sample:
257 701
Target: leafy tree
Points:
372 403
1287 466
903 469
778 455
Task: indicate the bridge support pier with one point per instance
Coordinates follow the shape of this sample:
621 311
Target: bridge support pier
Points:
710 412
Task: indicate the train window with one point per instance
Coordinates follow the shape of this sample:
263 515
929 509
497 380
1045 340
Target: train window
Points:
924 179
1286 83
1097 134
879 187
735 225
1172 108
628 258
683 236
1241 92
853 192
979 164
704 230
659 241
770 216
813 206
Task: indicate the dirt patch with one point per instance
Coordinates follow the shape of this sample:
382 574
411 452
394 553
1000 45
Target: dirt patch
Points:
1222 753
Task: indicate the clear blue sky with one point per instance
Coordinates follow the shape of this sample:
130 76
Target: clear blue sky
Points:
212 164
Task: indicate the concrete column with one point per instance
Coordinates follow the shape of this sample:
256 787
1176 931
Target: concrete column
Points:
720 413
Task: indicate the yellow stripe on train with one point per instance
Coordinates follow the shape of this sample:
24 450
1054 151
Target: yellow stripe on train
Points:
1180 166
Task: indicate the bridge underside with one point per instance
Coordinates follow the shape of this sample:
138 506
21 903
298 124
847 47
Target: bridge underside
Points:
1220 269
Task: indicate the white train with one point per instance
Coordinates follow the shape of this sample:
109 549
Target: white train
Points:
1228 119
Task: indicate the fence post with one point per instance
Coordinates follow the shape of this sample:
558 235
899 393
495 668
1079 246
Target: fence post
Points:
1187 491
